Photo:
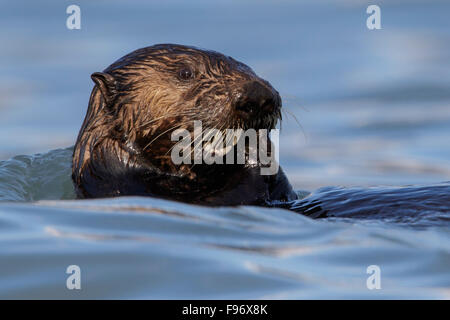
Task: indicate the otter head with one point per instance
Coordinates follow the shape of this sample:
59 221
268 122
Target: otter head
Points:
124 144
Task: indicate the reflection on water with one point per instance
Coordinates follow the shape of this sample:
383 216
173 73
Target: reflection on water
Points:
373 109
126 248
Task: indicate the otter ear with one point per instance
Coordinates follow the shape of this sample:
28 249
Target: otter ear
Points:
107 85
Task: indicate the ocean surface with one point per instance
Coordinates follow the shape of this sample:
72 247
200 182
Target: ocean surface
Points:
365 111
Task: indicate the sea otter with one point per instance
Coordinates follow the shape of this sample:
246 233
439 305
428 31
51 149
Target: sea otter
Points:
124 144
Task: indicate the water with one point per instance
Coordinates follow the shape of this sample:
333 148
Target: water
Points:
374 110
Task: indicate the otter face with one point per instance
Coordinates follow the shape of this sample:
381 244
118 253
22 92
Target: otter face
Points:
141 99
157 89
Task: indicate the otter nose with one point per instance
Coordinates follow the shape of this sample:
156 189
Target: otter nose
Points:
256 100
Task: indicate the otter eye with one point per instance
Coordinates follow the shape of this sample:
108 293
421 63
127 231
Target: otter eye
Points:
186 74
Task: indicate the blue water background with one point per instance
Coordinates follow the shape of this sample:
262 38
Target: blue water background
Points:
373 108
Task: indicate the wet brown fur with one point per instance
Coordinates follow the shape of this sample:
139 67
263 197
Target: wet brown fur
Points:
123 147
